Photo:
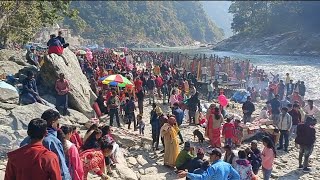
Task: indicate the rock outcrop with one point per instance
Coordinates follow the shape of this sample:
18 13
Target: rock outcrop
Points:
289 43
81 96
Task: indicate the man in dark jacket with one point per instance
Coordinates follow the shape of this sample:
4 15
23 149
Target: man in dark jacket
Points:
247 108
196 162
151 85
296 119
306 137
29 94
281 88
61 39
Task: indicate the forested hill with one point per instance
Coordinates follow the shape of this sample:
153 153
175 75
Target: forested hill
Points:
274 27
118 23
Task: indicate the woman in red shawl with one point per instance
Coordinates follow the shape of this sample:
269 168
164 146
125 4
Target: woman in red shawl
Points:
94 160
213 129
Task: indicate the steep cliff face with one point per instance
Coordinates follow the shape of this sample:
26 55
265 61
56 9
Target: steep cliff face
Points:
166 22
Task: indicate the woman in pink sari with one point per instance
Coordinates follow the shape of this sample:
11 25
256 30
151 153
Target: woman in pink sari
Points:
213 129
71 153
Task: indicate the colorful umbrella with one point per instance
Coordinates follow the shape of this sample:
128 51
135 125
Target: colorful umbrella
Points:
114 77
117 82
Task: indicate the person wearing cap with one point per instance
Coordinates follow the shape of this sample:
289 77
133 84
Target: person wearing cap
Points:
196 162
254 156
219 169
185 156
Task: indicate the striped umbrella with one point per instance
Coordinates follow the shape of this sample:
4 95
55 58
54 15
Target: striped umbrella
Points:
114 77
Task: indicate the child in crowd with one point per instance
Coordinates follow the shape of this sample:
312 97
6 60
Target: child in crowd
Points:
140 125
228 131
238 134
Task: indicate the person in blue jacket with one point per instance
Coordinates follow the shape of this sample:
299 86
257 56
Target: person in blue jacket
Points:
219 169
51 142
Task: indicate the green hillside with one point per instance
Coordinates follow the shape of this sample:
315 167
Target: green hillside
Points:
115 23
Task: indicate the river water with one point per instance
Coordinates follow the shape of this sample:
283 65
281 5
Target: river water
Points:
303 68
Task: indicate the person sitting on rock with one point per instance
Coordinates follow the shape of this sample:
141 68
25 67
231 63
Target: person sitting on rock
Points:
29 94
55 46
185 156
32 58
196 162
62 87
61 39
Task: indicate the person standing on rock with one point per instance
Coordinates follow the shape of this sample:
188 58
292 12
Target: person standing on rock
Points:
306 137
113 106
247 108
33 161
51 142
217 170
62 87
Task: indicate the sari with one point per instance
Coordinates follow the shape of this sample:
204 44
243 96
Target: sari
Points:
171 151
213 131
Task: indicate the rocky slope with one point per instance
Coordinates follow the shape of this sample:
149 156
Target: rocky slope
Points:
290 43
129 23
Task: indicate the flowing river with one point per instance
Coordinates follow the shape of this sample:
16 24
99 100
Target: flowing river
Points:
303 68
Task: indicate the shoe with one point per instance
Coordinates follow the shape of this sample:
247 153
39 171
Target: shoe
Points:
162 151
279 148
300 167
286 150
181 143
306 170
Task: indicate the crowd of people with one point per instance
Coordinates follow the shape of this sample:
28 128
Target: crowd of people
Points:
60 153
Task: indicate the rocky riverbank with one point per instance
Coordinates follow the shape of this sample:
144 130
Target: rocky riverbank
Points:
137 160
289 43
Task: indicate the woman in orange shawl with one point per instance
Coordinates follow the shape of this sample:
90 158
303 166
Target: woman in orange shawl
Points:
169 133
213 129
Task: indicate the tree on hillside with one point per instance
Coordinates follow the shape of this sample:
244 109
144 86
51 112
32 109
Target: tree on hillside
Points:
20 20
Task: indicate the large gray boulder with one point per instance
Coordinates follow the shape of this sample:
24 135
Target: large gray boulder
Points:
8 67
81 97
9 96
23 114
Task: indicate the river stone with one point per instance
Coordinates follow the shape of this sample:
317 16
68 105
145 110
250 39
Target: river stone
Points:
141 160
76 117
23 114
151 170
126 173
81 97
132 160
7 106
9 96
8 67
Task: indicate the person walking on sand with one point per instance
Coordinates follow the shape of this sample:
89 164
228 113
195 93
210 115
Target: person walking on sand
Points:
113 106
33 161
178 113
275 109
306 137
